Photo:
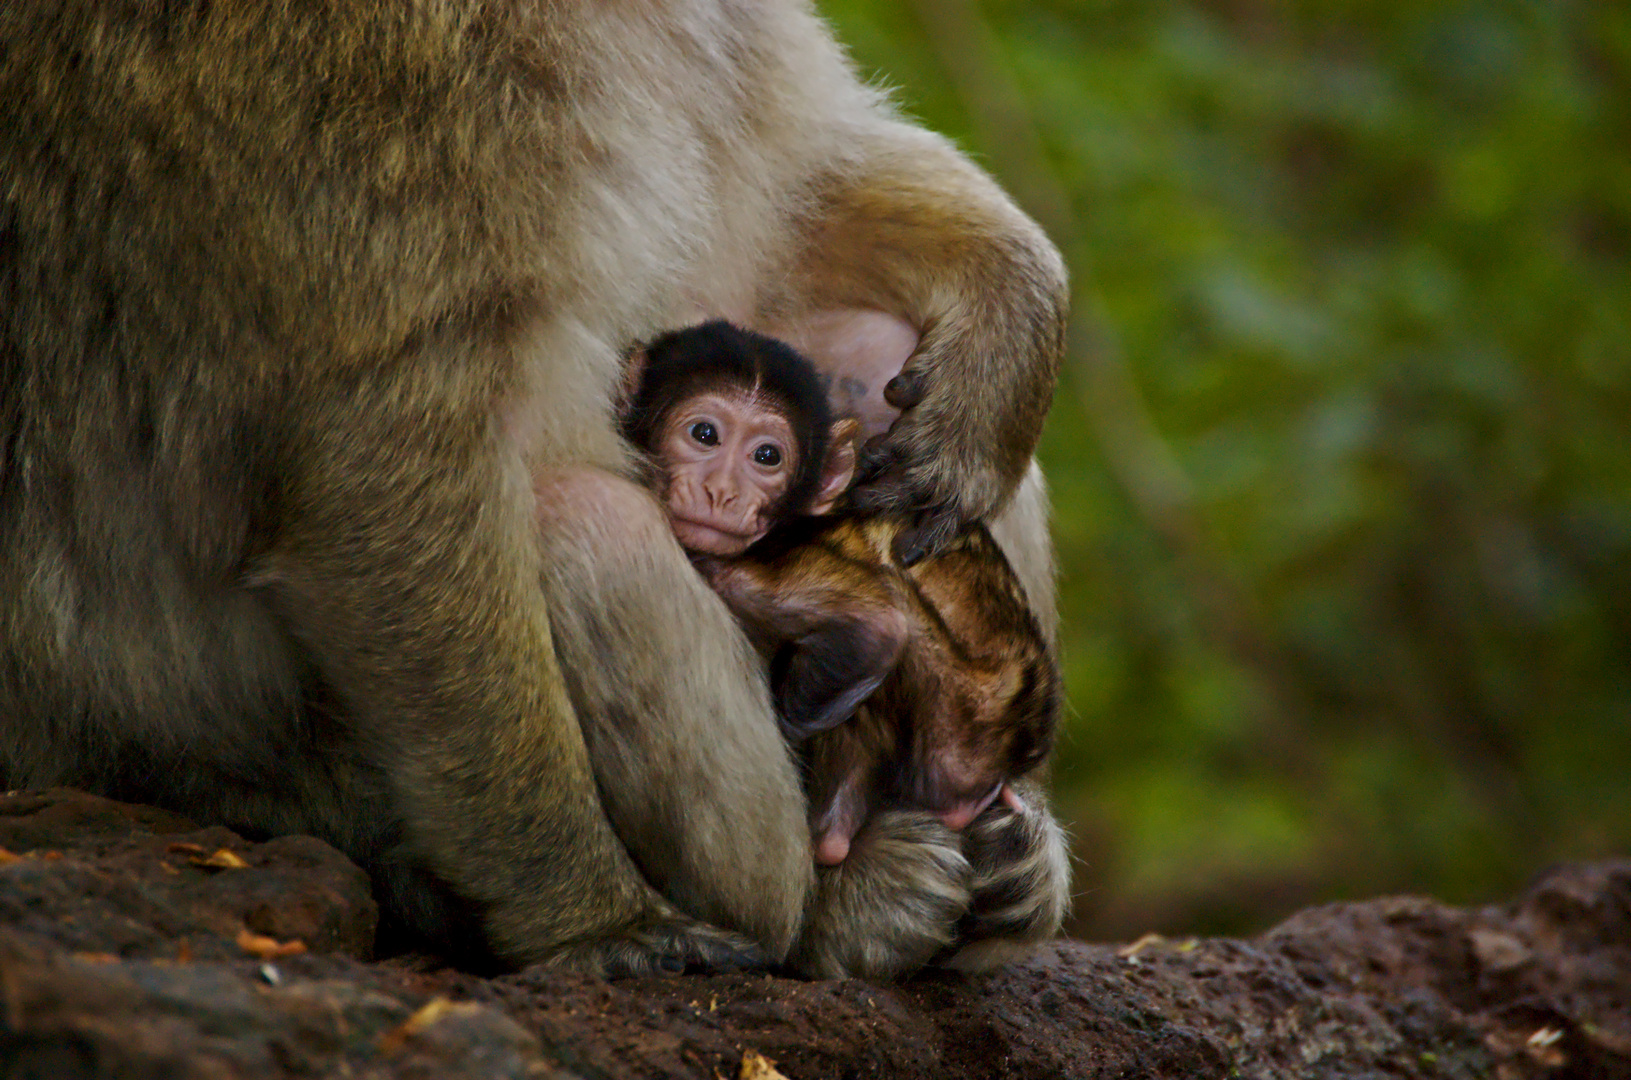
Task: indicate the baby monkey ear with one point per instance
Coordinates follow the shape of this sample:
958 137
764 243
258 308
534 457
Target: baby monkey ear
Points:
634 370
838 471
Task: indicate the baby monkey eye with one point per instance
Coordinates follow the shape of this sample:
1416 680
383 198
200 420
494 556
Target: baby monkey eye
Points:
704 433
767 456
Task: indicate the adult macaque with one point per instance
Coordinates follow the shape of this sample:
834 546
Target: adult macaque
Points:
959 687
310 313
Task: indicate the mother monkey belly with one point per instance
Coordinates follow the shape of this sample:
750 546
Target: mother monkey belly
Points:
309 316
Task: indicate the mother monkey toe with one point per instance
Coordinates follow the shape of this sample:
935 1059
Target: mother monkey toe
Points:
312 314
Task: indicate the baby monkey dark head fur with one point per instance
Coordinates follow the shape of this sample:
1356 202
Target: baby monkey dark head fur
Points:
717 362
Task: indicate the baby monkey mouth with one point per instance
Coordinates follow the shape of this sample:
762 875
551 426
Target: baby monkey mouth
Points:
712 537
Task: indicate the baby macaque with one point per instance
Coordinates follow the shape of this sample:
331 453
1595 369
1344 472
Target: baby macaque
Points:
740 428
951 685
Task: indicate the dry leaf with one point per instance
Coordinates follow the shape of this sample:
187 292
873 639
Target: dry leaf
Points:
1148 941
183 847
222 860
756 1066
428 1013
268 948
1542 1048
7 857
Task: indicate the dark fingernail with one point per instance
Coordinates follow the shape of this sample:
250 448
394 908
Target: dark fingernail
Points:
904 390
863 500
875 460
909 548
878 446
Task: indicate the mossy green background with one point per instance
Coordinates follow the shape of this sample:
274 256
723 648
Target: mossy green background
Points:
1341 458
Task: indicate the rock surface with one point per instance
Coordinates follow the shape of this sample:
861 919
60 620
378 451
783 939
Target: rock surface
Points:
134 944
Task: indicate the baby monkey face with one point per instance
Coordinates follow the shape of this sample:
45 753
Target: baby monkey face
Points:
729 457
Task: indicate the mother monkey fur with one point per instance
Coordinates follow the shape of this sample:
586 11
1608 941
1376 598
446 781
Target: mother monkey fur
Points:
311 314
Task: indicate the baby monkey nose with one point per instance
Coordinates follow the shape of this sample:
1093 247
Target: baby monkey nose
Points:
722 481
720 489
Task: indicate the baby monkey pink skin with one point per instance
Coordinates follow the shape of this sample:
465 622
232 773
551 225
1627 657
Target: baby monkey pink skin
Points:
930 683
729 457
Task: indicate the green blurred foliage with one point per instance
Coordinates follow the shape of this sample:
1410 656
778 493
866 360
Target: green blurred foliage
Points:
1342 456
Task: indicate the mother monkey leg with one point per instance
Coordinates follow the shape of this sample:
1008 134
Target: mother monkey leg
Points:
697 783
